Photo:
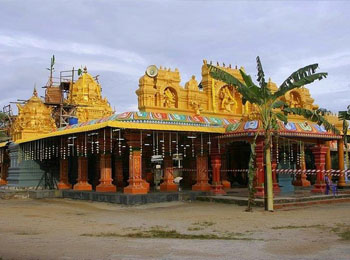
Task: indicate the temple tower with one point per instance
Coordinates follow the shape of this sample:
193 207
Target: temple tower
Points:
85 94
34 118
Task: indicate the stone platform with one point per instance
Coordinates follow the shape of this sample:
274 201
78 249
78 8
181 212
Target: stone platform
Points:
279 201
128 199
112 197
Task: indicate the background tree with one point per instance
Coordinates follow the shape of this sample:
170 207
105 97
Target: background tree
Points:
3 127
270 108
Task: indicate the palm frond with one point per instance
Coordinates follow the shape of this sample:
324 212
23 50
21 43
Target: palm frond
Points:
301 77
282 117
250 94
312 115
344 115
261 79
279 104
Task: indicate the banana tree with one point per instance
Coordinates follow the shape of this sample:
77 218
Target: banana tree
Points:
269 106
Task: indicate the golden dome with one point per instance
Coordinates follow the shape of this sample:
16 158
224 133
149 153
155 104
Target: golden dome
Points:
33 118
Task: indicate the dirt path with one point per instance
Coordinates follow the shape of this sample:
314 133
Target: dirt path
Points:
67 229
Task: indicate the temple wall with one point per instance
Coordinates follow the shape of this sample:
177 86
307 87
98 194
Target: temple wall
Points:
21 173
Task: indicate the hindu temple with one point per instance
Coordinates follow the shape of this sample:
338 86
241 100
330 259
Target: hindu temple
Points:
194 136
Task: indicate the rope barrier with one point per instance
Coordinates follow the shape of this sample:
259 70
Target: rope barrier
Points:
332 172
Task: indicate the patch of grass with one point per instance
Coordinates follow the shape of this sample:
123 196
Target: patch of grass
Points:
295 227
342 230
204 224
168 234
27 233
194 228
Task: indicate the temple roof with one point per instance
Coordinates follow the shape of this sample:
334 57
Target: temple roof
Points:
305 129
146 121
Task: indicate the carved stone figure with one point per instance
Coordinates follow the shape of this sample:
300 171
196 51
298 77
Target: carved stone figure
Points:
227 100
169 98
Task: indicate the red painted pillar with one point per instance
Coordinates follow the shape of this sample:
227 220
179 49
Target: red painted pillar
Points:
119 177
319 152
82 183
168 181
4 167
276 187
106 174
224 181
136 184
202 174
260 171
64 183
216 187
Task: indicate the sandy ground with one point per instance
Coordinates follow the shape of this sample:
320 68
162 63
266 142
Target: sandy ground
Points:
68 229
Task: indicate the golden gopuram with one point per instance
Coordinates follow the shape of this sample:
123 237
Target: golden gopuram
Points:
194 137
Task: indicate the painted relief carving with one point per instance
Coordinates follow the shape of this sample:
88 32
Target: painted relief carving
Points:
169 98
227 100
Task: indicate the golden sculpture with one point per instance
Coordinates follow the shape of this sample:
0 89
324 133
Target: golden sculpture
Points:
34 118
169 98
85 93
164 93
227 100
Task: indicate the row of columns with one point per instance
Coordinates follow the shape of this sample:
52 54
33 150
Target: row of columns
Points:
137 185
322 157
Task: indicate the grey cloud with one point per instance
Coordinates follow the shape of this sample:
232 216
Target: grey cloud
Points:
118 39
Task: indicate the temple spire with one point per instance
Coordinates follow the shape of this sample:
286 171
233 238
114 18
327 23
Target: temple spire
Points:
35 93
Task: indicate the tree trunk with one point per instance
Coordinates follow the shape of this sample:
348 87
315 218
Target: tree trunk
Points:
269 179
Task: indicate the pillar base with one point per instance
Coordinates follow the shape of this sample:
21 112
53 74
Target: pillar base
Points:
146 185
82 185
226 184
319 188
217 189
340 184
133 189
201 187
259 192
106 188
302 182
169 187
3 182
64 186
276 188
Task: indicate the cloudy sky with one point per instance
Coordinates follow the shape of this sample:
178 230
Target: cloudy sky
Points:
119 39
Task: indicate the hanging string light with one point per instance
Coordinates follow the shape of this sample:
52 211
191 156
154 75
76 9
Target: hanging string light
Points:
153 145
298 155
170 144
68 147
104 140
141 143
130 152
157 144
120 145
277 150
110 141
291 152
192 147
85 145
284 152
201 144
177 143
163 146
78 147
209 145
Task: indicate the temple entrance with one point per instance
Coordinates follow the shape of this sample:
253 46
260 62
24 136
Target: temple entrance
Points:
238 154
